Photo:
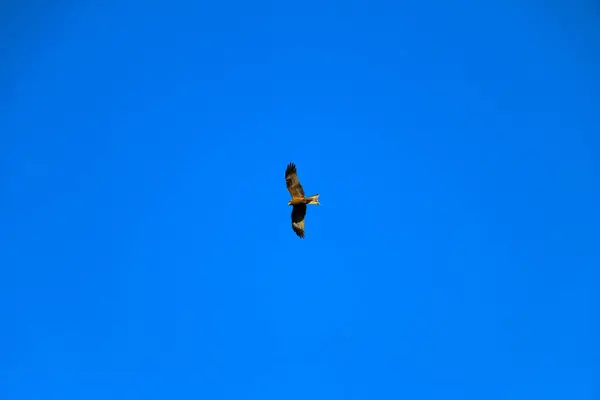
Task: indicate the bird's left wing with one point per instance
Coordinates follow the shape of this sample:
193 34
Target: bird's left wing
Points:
292 182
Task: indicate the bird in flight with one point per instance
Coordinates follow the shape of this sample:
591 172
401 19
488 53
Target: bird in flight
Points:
298 201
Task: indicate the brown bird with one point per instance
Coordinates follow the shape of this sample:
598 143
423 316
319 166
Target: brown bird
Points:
298 201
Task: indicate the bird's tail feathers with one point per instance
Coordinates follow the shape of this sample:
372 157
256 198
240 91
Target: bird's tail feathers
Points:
313 200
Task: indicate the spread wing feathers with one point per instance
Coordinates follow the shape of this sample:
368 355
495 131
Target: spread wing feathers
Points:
292 182
298 213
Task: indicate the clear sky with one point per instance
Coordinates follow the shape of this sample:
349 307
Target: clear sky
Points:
146 249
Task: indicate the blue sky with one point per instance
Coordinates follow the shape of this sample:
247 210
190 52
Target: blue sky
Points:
146 246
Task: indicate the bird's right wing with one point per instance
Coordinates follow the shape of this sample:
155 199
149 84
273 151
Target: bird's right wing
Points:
298 213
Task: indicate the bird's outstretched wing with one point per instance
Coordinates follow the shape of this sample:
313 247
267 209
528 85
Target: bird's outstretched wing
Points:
292 182
298 213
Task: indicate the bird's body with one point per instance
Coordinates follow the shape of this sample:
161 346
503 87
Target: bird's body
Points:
304 200
298 201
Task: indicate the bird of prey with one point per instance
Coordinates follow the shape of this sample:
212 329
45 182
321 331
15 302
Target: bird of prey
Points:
298 201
